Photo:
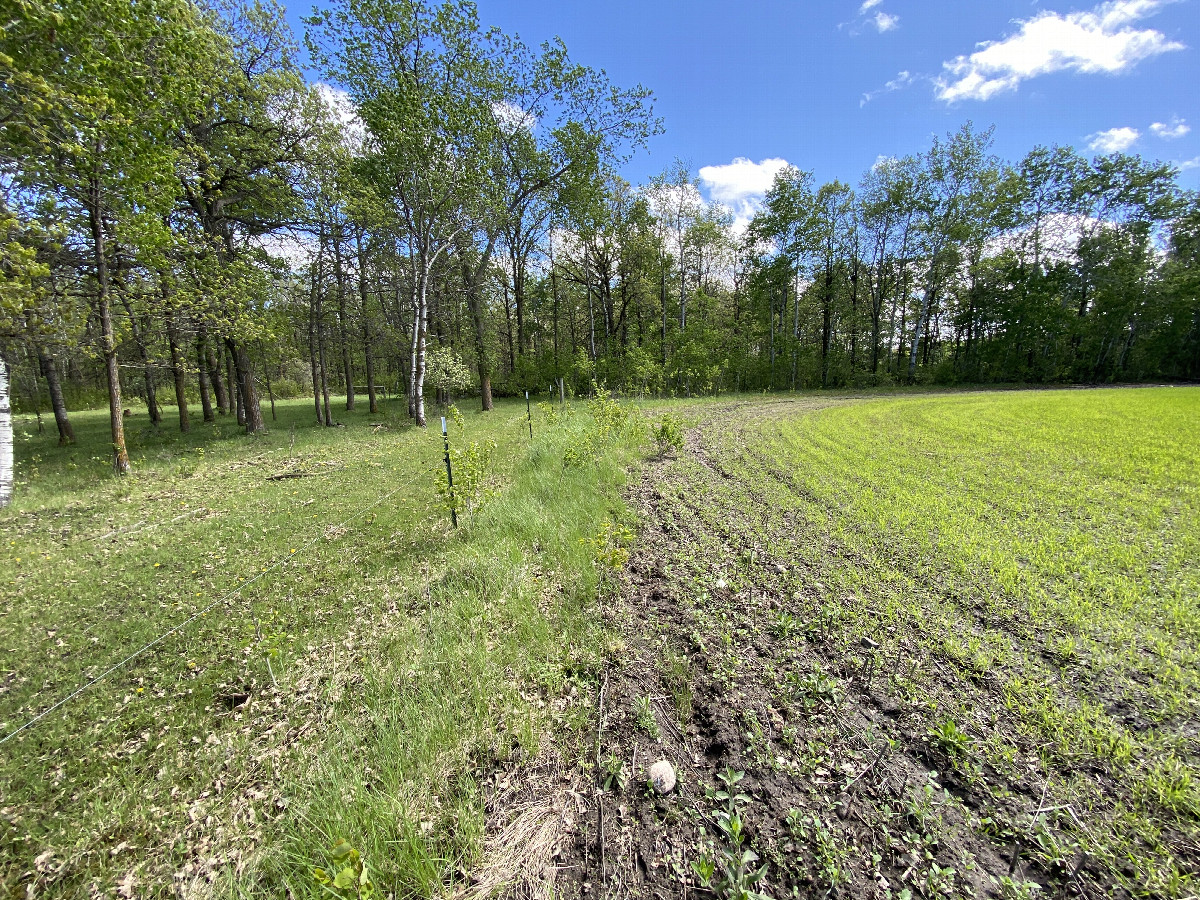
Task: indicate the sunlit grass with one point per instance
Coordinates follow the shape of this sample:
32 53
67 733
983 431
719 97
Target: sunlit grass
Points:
356 690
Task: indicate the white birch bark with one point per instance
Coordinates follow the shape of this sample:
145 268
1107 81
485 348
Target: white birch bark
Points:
6 439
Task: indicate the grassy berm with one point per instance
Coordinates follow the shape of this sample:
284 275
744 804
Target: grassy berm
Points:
898 646
362 689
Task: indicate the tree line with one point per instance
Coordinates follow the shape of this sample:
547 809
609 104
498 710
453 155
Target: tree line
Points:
185 219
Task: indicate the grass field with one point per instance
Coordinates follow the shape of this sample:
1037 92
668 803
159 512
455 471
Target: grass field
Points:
354 691
949 640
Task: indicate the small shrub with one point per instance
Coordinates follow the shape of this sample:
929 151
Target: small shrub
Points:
609 546
471 467
351 879
445 372
286 389
668 435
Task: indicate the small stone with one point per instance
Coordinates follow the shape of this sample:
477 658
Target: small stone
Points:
662 777
780 568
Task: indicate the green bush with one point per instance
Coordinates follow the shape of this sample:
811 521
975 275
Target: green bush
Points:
286 389
667 434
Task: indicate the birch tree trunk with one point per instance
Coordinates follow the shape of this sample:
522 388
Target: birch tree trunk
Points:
366 324
6 438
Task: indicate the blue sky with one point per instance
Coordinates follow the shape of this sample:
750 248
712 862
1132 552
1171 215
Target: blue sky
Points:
830 86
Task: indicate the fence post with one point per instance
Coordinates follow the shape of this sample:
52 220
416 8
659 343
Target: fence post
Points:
528 415
449 474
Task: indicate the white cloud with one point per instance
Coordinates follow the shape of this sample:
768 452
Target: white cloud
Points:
295 248
1114 140
741 185
741 178
880 20
512 118
884 22
1176 128
1089 42
1188 164
902 80
341 109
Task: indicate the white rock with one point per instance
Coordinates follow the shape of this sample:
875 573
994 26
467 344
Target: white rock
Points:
662 776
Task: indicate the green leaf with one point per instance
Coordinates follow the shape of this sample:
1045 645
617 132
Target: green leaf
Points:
345 879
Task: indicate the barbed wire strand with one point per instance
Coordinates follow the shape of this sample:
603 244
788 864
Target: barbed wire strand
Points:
226 596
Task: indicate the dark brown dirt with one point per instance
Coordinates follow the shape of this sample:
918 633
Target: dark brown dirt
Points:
846 793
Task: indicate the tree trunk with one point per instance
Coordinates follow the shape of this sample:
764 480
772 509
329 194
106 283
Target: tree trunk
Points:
416 400
369 355
322 358
66 434
235 395
512 359
202 369
211 360
180 376
474 304
247 393
112 370
6 438
926 305
826 324
139 335
312 361
519 304
340 278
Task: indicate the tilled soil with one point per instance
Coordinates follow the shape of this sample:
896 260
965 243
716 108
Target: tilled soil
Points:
726 667
717 709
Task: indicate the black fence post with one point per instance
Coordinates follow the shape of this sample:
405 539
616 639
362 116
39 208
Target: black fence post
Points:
449 474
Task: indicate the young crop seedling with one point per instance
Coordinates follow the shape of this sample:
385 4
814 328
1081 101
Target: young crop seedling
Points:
613 772
829 853
644 713
733 861
953 740
785 625
813 690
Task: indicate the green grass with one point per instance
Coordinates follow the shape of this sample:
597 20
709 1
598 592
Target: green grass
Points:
379 666
1034 561
1028 564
